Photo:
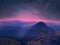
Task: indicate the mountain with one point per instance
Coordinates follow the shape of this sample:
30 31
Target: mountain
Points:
24 30
38 30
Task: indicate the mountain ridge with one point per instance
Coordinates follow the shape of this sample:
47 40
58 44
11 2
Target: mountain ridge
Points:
22 33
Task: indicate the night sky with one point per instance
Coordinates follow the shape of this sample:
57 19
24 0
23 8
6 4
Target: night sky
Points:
30 9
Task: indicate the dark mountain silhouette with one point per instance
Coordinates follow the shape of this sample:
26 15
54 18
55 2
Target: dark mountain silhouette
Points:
16 29
25 31
38 30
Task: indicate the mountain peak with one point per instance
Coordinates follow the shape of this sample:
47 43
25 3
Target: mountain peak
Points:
40 24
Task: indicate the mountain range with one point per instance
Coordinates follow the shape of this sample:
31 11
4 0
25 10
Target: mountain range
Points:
24 30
